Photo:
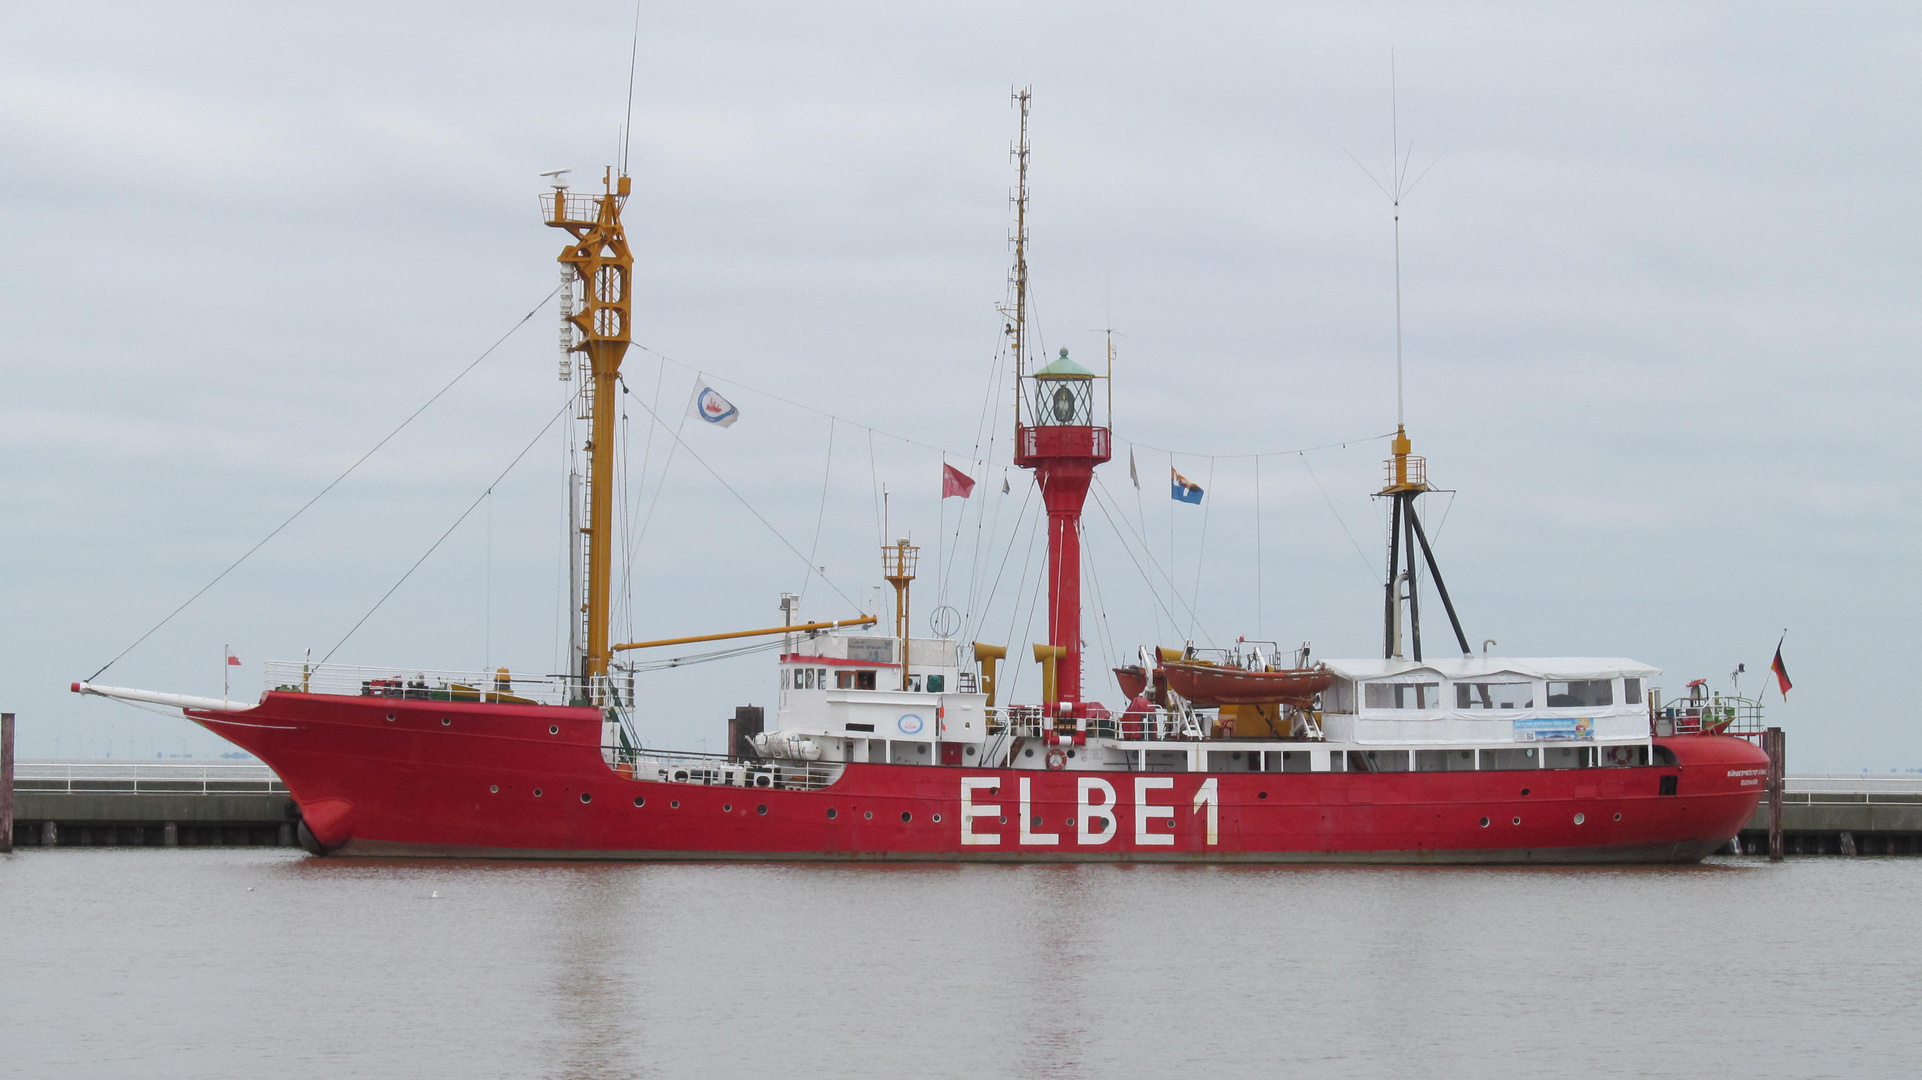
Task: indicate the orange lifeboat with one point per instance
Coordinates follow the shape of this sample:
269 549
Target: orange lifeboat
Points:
1208 685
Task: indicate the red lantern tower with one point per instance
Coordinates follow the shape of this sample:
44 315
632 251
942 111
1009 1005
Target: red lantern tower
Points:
1056 435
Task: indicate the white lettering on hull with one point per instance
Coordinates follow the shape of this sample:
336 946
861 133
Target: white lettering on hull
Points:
1146 813
1207 794
1028 819
971 810
1097 812
1085 812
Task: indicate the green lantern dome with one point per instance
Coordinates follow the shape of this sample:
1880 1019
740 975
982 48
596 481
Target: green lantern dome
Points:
1064 368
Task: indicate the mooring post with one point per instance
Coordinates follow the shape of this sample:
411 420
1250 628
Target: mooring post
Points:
1772 745
6 781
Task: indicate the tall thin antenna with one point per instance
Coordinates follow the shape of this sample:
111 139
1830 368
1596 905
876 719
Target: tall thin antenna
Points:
1397 189
1394 153
633 54
1018 326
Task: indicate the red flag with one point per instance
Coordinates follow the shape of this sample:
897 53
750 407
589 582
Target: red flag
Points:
955 482
232 660
1781 672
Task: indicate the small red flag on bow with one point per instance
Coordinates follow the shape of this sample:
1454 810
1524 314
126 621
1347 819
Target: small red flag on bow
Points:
955 482
232 660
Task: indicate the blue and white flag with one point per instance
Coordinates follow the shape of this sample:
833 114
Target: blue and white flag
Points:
712 407
1183 489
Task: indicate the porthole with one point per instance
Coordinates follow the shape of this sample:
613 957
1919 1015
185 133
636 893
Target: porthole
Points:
761 809
937 819
1071 753
537 793
1004 821
994 791
587 796
906 817
1524 791
495 788
1618 817
640 800
1029 752
831 813
1261 795
445 722
727 808
1037 821
1579 819
1070 823
1484 823
867 815
390 718
675 805
1518 821
969 751
553 729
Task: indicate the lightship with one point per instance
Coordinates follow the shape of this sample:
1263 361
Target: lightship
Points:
893 747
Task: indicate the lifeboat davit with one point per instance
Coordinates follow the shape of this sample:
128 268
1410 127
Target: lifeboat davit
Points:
1208 685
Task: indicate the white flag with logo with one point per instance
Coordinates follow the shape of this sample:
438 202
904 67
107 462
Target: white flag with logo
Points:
712 407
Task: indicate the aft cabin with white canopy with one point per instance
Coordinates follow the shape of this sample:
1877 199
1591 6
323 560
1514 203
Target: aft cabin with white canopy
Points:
1489 701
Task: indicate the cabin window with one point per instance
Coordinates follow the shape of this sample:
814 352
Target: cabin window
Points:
935 682
854 680
1340 696
1581 694
1444 761
1520 758
1495 695
1631 691
1377 761
914 683
1403 695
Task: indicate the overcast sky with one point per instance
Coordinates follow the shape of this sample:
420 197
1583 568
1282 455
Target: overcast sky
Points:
1659 303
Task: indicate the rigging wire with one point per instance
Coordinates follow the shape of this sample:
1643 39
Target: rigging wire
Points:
1338 519
335 482
820 515
569 403
872 430
1201 552
1014 534
1154 593
812 569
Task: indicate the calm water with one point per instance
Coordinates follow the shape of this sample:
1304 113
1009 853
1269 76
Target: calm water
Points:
261 963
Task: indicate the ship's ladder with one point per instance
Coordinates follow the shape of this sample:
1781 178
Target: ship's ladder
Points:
1186 716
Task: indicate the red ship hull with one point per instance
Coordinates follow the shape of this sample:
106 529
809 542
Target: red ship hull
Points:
374 776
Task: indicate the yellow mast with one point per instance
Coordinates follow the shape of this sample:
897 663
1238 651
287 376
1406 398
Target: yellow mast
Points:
604 267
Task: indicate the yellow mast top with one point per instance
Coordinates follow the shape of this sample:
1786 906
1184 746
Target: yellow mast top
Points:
604 267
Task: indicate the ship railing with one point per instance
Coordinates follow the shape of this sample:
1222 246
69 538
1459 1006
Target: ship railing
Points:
148 778
1715 712
500 685
719 770
1021 721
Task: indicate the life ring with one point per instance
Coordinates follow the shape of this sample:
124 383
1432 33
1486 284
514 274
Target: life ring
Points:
1057 759
1621 755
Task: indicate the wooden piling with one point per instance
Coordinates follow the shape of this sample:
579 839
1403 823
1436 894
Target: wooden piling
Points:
1772 744
6 782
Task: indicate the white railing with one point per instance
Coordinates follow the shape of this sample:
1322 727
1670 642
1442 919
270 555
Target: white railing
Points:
423 685
718 770
155 777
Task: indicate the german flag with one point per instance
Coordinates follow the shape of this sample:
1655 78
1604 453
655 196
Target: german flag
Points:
1781 671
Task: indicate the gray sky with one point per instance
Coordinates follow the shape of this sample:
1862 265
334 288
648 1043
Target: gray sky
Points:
1659 298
